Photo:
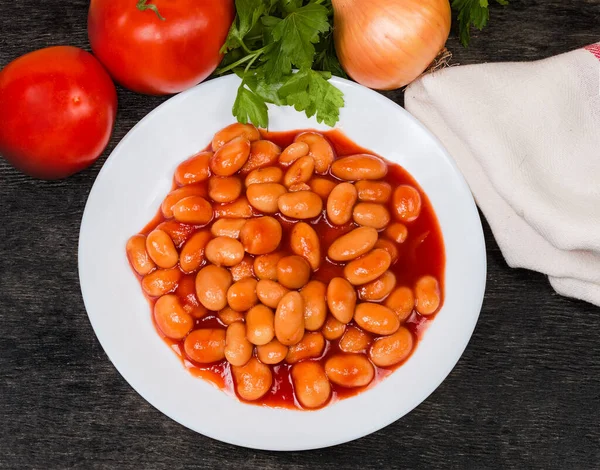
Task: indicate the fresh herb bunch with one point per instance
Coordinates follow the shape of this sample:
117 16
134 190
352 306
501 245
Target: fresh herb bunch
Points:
472 13
266 42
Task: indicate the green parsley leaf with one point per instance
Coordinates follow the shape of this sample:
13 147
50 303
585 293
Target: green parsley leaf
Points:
249 107
309 91
248 14
472 13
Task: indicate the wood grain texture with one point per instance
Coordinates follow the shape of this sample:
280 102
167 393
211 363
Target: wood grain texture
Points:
526 393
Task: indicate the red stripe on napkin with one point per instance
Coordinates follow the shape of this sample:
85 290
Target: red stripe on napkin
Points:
594 49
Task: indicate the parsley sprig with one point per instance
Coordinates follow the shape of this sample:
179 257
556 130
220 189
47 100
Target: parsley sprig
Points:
472 13
268 40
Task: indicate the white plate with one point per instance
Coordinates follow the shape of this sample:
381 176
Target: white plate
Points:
127 194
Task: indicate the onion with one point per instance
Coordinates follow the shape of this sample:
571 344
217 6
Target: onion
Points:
386 44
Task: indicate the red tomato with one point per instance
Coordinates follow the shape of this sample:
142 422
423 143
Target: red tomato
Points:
57 110
154 56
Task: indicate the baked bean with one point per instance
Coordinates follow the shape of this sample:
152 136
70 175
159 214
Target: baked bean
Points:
228 316
340 203
230 157
238 209
252 380
293 271
224 251
293 152
264 196
181 193
227 227
376 319
311 385
212 283
178 232
378 289
369 214
368 267
271 174
138 256
241 296
161 281
300 205
224 188
349 370
265 266
402 302
263 153
193 210
170 317
192 253
319 149
206 345
407 203
397 232
243 269
272 353
299 187
392 349
315 305
355 340
289 319
321 187
427 295
232 131
353 244
270 292
161 249
186 291
373 191
333 329
238 350
359 167
341 299
310 346
194 169
259 325
261 235
388 246
299 172
304 241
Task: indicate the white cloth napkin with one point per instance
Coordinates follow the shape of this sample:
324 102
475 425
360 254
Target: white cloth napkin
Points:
526 136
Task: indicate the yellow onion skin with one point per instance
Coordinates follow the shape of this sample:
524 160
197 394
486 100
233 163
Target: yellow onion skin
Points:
386 44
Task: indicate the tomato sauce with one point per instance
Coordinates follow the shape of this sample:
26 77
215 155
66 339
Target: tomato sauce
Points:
422 253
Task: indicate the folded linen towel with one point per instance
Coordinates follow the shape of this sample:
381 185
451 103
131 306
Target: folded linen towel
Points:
526 136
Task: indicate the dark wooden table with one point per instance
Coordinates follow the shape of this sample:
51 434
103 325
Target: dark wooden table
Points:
526 393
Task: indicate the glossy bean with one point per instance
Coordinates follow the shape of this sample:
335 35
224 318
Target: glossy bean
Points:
341 299
138 256
271 174
310 346
388 246
402 302
212 283
289 319
181 193
194 169
368 267
359 167
224 188
261 235
170 317
355 340
427 295
224 251
353 244
161 281
293 152
241 295
192 253
252 380
392 349
378 289
230 157
193 210
311 385
293 271
186 291
333 329
304 242
265 196
300 205
397 232
272 353
315 305
232 131
228 316
227 227
270 292
407 203
299 172
161 249
179 232
243 270
376 318
299 187
340 203
263 153
265 266
205 345
349 370
238 209
322 187
373 191
319 149
370 214
238 350
260 328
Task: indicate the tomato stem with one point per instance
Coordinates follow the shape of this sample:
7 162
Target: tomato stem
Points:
143 6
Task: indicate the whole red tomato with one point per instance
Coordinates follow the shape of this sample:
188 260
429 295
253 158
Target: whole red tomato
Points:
57 110
161 47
